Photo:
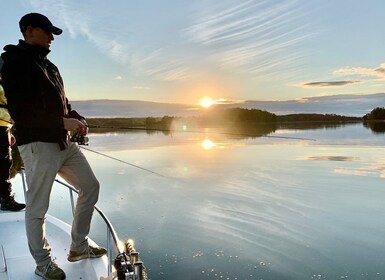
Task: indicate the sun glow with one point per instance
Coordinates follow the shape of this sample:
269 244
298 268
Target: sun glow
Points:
206 102
207 144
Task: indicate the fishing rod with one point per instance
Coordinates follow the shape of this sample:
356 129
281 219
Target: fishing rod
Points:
122 161
195 131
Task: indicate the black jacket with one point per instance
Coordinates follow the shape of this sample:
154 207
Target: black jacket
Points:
35 94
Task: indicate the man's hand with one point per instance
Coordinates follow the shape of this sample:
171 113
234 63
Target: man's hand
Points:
75 125
13 140
83 133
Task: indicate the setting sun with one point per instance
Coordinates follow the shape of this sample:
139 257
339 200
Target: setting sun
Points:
206 102
208 144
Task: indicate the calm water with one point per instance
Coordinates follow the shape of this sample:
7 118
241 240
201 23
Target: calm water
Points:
262 208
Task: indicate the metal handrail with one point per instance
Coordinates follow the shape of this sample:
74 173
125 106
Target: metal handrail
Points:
141 274
129 265
110 229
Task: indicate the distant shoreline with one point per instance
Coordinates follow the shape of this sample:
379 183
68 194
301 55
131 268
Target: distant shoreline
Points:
347 105
230 124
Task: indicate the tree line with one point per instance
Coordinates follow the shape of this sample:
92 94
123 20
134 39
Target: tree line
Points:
222 117
375 115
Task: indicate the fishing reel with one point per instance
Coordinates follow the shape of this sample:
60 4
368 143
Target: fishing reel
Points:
128 267
79 139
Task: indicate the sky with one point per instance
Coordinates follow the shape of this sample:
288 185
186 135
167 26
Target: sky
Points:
179 51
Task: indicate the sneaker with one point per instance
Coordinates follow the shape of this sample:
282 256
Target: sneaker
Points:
9 204
90 252
50 271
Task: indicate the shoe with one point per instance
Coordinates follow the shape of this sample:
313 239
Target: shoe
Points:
9 204
90 252
50 271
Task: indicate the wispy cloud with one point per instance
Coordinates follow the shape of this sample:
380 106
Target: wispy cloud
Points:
153 65
223 101
378 72
74 17
327 84
138 87
256 37
259 36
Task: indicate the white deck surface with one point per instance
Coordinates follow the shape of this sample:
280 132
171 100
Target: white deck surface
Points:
20 264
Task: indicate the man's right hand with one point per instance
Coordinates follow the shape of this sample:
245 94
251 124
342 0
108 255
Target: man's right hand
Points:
74 125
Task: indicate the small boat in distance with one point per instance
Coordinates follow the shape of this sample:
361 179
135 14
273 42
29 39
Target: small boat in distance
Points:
121 262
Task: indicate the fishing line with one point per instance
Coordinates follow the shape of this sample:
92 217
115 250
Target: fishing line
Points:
201 132
168 130
122 161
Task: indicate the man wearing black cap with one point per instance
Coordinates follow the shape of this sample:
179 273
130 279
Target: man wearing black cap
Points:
43 117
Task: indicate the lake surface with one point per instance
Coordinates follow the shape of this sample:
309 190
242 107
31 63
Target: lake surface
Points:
246 208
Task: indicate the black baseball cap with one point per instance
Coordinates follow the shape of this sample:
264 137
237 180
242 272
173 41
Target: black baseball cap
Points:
38 20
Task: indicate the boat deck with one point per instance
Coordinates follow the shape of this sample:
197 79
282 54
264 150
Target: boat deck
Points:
17 263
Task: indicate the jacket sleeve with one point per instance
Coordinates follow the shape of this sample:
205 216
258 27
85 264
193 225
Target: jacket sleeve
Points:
73 113
24 90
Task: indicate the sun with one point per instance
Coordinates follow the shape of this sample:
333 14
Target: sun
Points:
207 144
206 102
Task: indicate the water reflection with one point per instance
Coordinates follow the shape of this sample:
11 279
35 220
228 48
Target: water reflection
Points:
376 126
331 158
315 125
373 169
262 208
230 130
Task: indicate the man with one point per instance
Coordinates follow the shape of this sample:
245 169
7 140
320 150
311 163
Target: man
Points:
7 200
43 117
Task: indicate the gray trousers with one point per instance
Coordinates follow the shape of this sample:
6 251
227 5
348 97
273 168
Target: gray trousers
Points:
42 162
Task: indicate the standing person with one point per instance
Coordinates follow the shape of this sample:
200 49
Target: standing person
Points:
7 200
43 118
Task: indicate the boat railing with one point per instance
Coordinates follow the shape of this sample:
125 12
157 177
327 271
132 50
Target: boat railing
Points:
127 260
111 233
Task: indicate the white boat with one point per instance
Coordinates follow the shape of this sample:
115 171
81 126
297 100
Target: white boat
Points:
16 262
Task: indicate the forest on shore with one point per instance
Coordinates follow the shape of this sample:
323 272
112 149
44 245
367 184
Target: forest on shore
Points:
233 118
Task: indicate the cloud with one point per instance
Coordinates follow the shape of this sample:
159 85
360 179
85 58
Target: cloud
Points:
141 87
258 37
118 78
228 101
327 84
378 72
74 17
163 71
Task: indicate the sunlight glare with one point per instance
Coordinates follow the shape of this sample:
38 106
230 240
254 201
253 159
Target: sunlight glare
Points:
207 144
206 102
